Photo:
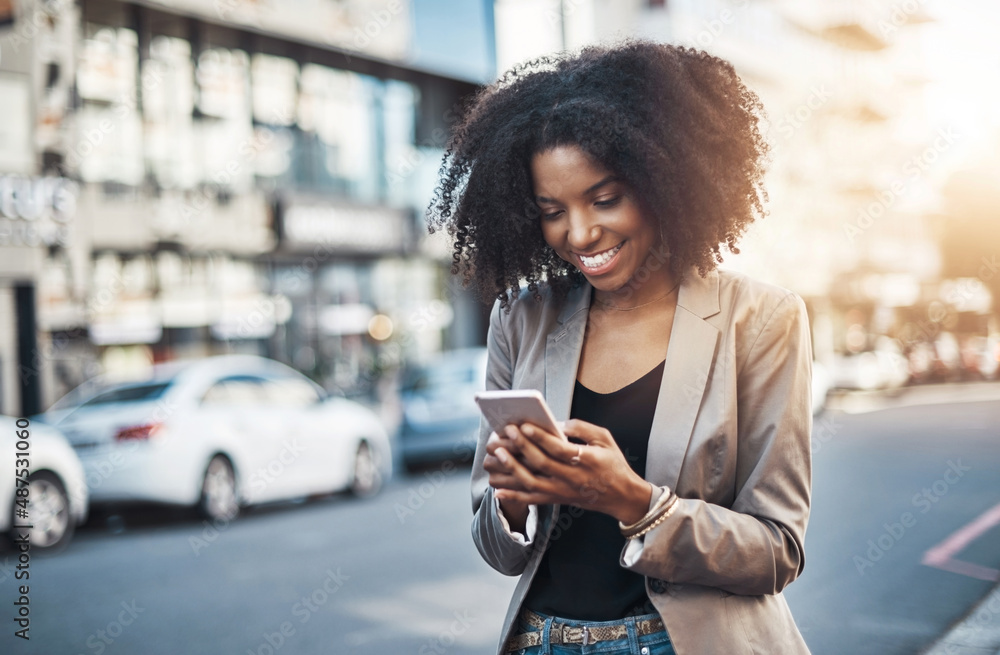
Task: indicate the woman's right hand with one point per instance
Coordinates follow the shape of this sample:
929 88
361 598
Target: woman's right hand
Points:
501 451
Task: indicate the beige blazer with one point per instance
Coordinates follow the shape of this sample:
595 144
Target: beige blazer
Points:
730 434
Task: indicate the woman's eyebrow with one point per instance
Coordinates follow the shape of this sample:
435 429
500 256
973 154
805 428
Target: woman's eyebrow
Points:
593 187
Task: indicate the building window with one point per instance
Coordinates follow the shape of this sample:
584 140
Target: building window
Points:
109 132
336 148
168 101
223 108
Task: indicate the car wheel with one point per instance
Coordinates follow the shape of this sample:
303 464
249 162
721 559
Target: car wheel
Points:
366 478
48 512
218 491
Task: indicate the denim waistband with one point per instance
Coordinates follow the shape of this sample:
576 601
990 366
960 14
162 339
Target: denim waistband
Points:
637 634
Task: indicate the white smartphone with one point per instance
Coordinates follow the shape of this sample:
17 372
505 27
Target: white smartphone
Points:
517 406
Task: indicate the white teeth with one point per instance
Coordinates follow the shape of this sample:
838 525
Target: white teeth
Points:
600 260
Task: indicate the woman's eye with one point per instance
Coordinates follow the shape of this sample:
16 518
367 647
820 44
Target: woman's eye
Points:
610 202
550 215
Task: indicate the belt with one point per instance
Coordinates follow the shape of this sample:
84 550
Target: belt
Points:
560 633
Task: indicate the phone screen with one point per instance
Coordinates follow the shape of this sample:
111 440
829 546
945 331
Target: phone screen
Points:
517 407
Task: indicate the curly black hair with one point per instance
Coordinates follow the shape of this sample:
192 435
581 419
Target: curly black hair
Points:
675 123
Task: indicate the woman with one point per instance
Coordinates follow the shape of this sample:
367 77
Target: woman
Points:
675 515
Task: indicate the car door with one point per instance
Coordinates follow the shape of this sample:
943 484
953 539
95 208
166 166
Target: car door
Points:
236 406
302 451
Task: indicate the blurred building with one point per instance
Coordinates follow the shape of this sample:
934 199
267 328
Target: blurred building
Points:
184 178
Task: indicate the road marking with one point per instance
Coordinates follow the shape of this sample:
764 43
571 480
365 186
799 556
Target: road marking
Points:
942 556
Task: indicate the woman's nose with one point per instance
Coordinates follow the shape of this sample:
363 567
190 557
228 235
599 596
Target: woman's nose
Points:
582 232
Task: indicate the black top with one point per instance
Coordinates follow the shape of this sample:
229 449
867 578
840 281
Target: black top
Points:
580 576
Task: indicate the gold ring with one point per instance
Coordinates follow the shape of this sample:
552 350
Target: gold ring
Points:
576 458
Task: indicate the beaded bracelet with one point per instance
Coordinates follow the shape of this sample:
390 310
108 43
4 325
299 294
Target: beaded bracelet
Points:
660 519
660 502
650 516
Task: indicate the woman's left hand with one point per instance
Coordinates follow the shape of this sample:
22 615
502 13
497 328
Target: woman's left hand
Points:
593 476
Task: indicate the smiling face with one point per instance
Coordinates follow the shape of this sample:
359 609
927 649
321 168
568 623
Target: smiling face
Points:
593 220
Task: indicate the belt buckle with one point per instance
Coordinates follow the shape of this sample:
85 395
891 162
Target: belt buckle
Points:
571 634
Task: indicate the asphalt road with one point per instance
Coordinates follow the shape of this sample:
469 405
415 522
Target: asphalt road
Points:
887 487
399 573
394 574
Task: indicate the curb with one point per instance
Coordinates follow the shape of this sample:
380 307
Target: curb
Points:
859 402
977 633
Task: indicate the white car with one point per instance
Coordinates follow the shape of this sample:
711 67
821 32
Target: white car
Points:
57 490
871 370
223 432
821 385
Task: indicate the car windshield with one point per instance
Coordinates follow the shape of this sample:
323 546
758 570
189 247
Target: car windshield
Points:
129 394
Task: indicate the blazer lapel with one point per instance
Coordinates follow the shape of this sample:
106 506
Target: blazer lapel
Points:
562 351
562 358
690 356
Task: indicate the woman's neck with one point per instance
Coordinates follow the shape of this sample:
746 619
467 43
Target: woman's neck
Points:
656 291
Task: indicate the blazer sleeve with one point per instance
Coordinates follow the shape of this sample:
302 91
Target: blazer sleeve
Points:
756 546
495 543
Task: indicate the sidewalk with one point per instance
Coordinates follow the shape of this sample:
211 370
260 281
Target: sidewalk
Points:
858 402
977 634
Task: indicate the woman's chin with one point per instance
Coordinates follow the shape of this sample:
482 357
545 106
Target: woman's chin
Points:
615 287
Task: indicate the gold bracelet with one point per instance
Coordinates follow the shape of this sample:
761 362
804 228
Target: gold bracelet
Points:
660 502
650 515
658 521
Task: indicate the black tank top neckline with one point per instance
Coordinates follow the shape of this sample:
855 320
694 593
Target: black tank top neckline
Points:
655 369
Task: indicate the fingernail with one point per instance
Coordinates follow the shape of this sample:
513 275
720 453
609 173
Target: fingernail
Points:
502 456
527 430
511 431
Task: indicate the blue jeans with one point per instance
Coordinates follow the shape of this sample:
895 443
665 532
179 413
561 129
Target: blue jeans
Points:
657 643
